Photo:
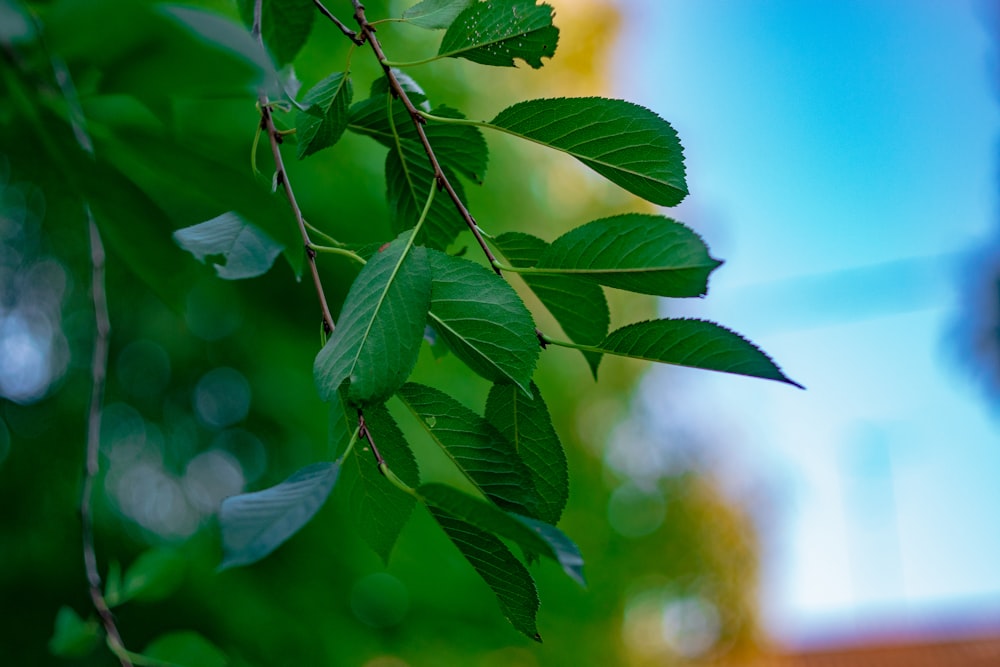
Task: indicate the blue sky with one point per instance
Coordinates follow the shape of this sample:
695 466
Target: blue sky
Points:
841 159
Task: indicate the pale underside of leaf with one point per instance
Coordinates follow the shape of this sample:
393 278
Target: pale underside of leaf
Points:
435 14
248 251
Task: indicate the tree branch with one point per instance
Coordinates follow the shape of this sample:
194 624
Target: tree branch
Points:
368 34
351 34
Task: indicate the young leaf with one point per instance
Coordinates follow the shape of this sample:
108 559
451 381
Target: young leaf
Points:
435 14
184 649
285 25
499 568
154 575
694 343
494 33
483 320
255 524
381 326
409 178
579 306
484 456
526 423
72 636
534 537
627 144
641 253
379 508
247 251
324 119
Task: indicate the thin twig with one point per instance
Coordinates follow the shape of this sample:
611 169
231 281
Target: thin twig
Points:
363 432
351 34
368 34
99 366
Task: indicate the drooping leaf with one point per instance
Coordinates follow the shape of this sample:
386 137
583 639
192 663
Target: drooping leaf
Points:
72 636
285 25
154 575
484 456
435 14
483 320
641 253
526 422
246 250
495 33
381 326
627 144
324 118
378 507
409 177
534 537
694 343
579 306
499 568
255 524
184 649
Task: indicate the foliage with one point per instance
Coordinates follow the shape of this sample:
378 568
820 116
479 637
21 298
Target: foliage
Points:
110 140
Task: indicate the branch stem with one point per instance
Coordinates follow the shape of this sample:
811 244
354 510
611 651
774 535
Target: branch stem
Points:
351 34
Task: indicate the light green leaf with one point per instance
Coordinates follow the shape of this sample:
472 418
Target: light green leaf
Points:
484 456
483 320
578 305
641 253
694 343
526 423
324 119
184 649
499 568
494 33
285 25
534 537
435 14
379 508
72 636
247 251
153 576
627 144
255 524
381 326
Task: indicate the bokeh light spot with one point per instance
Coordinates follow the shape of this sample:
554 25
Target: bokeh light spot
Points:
222 397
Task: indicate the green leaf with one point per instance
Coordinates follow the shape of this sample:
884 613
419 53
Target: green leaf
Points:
324 119
184 649
246 250
534 537
627 144
381 326
484 456
255 524
578 305
694 343
435 14
153 576
526 423
72 636
483 320
409 177
641 253
499 568
494 33
379 508
285 25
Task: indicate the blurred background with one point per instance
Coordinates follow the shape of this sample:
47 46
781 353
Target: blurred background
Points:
842 159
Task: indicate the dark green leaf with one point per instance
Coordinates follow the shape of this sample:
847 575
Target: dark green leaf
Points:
255 524
185 649
526 423
409 177
154 575
494 33
483 320
624 142
246 250
285 25
641 253
499 568
435 14
578 305
324 119
694 343
534 537
379 508
484 456
73 637
381 326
